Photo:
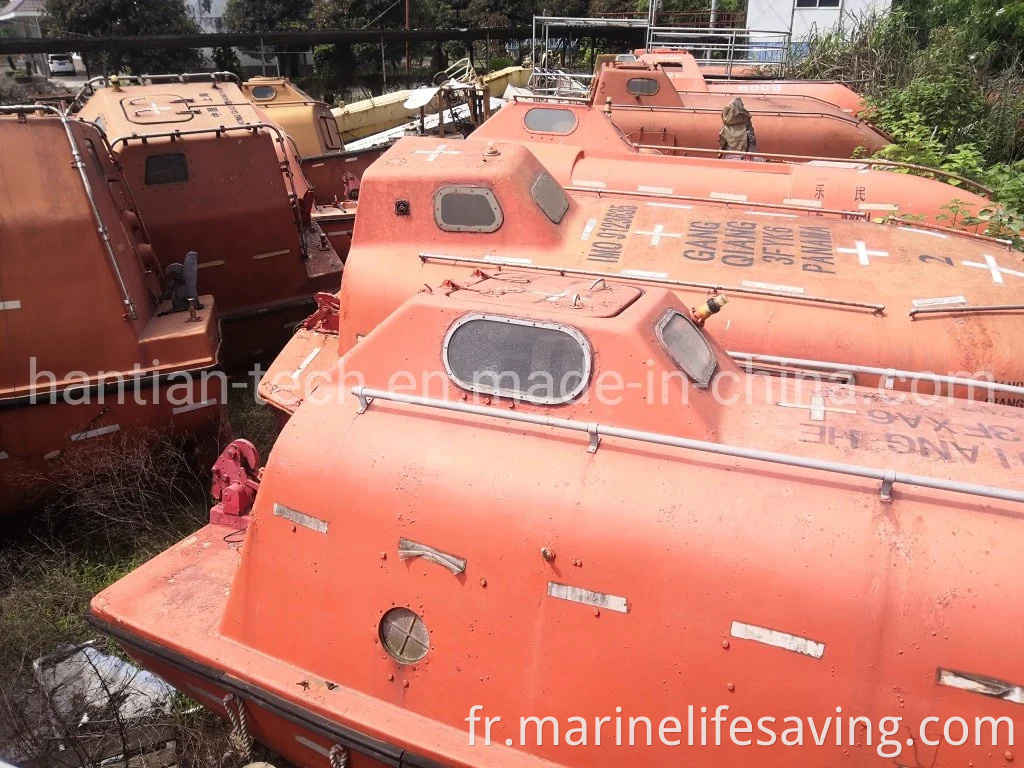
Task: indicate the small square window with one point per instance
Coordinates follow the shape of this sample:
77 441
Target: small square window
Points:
166 169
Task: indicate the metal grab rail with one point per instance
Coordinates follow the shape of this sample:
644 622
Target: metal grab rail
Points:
887 477
78 162
843 118
884 373
850 215
964 182
953 310
876 309
184 77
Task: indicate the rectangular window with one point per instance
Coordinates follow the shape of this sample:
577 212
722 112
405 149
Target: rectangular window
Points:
332 138
166 169
817 3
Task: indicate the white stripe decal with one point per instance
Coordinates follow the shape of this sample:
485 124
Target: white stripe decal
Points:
996 689
654 190
588 597
643 273
926 232
302 366
313 745
671 205
207 264
775 215
9 305
300 518
778 639
805 203
351 159
96 432
506 259
772 287
585 183
268 254
877 207
940 302
588 228
193 406
728 196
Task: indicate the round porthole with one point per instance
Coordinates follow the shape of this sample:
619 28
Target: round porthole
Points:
404 635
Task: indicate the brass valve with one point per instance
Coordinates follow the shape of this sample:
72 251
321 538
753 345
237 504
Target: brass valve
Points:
710 307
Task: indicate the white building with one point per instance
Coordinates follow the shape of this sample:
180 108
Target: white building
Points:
208 14
800 17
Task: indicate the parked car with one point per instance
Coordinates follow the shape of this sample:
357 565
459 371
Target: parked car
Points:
60 64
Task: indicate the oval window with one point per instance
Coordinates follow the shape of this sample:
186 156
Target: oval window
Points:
541 363
467 209
550 120
686 345
263 92
549 197
642 86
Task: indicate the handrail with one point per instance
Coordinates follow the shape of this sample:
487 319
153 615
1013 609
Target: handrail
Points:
79 164
850 215
843 118
887 477
884 373
253 128
954 310
799 159
876 309
805 96
184 77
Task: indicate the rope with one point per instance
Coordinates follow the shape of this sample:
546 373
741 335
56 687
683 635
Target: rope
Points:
240 738
338 756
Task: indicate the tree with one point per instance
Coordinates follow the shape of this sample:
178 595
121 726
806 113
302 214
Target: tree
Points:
251 16
110 18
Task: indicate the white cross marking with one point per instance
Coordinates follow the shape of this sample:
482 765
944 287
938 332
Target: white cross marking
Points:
658 233
863 254
993 266
817 408
156 110
433 154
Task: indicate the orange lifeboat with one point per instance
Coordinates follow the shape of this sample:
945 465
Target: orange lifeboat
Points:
435 542
90 352
189 149
649 109
581 146
686 75
912 307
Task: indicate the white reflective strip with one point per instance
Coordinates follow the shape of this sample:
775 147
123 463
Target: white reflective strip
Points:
925 232
3 455
588 228
217 263
940 302
778 639
6 306
772 287
588 597
506 259
313 745
351 159
995 689
268 254
677 206
805 203
300 518
774 215
643 273
96 432
302 366
585 183
877 207
728 196
318 165
51 456
654 190
193 406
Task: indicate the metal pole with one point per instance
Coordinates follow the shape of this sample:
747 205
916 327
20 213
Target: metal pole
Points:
407 42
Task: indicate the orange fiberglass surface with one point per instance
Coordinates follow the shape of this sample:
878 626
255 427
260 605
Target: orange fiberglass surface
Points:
687 75
915 307
211 174
581 146
649 109
90 352
430 542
